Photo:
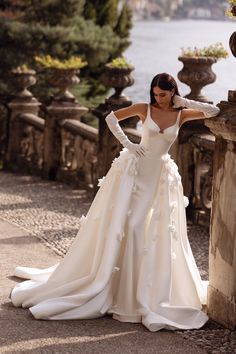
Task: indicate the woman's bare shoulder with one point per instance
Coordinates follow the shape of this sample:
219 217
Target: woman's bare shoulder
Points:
136 109
142 109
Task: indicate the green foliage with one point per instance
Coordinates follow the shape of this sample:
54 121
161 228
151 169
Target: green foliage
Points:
120 62
71 63
215 50
92 30
231 12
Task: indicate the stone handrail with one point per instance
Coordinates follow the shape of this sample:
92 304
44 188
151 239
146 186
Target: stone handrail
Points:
78 161
33 120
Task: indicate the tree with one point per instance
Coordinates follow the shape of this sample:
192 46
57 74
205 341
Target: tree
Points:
95 30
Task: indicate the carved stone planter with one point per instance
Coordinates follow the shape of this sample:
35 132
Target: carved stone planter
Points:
197 73
21 81
63 79
119 79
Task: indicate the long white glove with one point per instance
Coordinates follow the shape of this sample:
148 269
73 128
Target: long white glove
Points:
209 110
116 130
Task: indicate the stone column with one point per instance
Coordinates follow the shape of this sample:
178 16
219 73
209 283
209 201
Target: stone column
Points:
222 253
23 102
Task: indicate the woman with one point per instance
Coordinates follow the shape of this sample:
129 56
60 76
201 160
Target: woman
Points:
131 257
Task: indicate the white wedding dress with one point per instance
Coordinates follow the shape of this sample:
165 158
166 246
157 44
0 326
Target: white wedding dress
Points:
131 257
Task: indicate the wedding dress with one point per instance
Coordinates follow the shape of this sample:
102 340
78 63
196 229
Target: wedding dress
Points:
131 257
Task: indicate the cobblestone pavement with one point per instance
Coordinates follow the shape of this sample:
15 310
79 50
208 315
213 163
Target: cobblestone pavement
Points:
51 212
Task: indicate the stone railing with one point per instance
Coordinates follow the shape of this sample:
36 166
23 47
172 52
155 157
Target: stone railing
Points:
193 153
59 146
30 155
53 147
78 152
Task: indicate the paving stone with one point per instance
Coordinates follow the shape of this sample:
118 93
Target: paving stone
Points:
51 212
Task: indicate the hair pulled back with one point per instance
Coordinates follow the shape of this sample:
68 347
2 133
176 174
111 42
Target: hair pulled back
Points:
165 82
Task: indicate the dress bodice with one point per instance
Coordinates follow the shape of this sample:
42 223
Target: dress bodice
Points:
152 138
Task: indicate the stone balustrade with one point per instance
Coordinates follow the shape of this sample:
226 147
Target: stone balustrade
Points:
59 146
78 153
30 155
222 249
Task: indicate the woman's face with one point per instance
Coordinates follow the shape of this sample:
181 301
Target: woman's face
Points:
163 97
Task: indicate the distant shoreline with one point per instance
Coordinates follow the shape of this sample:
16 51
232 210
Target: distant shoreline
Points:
152 19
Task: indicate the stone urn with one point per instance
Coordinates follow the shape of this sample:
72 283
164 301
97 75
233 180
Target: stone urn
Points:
118 78
63 79
22 79
197 73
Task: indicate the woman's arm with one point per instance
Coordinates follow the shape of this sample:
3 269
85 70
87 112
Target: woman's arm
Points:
195 109
137 109
190 114
112 120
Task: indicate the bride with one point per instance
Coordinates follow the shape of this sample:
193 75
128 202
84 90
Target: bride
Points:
131 257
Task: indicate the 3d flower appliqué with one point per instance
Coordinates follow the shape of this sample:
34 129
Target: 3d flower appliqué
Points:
120 236
100 181
171 228
186 201
115 270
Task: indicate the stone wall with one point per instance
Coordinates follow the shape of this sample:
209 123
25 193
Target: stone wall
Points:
222 252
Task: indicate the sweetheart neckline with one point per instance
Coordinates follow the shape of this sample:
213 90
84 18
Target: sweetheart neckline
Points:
149 114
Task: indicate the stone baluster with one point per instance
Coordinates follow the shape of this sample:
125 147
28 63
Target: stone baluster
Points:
222 253
22 102
108 146
63 106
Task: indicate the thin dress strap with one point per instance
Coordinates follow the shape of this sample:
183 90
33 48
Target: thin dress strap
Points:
148 110
178 117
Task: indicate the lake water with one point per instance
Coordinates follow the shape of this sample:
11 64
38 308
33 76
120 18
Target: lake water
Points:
156 46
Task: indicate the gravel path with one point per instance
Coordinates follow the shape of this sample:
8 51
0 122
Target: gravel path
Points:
51 212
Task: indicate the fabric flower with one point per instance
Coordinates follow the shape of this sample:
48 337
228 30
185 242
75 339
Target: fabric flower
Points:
100 181
120 236
171 228
186 201
115 269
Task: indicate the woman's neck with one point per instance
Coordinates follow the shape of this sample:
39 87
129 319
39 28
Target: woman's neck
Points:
166 109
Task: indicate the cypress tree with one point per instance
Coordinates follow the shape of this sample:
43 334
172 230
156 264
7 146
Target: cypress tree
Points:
95 30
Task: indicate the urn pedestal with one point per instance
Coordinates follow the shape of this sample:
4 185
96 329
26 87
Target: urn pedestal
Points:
197 73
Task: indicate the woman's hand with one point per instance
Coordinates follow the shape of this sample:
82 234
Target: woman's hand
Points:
179 101
135 149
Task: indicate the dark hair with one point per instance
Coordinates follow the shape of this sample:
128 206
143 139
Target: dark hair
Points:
165 82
